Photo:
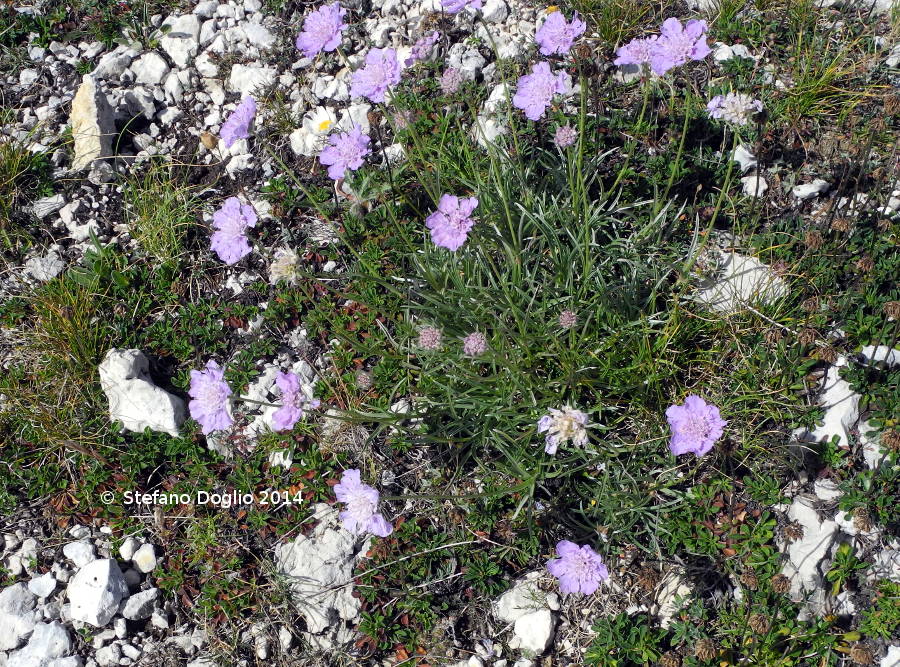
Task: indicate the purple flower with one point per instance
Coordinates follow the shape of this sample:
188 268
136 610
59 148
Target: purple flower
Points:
380 72
557 36
293 402
562 425
735 108
238 124
230 222
565 136
361 515
322 30
695 426
422 48
456 6
636 52
475 344
209 398
579 569
676 45
345 151
451 223
430 338
451 80
535 91
567 319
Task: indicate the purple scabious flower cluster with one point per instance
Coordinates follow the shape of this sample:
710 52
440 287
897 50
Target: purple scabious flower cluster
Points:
676 45
456 6
373 79
556 36
696 426
737 108
430 338
535 91
237 126
563 425
209 398
422 48
579 569
346 150
294 402
230 223
565 136
637 52
475 344
322 30
451 223
451 80
361 515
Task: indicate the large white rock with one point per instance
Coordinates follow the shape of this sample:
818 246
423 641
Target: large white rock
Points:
182 40
841 408
319 569
144 559
140 605
741 281
92 124
526 606
673 594
17 615
44 268
754 185
892 657
133 398
805 555
248 79
810 190
80 553
48 642
150 69
744 158
96 591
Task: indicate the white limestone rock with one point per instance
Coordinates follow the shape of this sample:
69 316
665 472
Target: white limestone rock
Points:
150 69
535 630
48 646
44 268
805 555
182 40
17 615
133 398
754 185
140 605
810 190
885 565
841 405
144 559
92 124
43 585
96 591
672 596
319 569
525 605
80 553
248 79
744 158
740 281
47 205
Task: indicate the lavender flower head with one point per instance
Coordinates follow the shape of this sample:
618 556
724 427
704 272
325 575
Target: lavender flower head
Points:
209 398
695 425
422 48
361 515
637 52
373 79
237 126
230 223
451 223
456 6
562 425
734 108
294 402
430 338
451 80
322 30
556 35
579 569
475 344
678 44
346 150
535 91
567 319
565 136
